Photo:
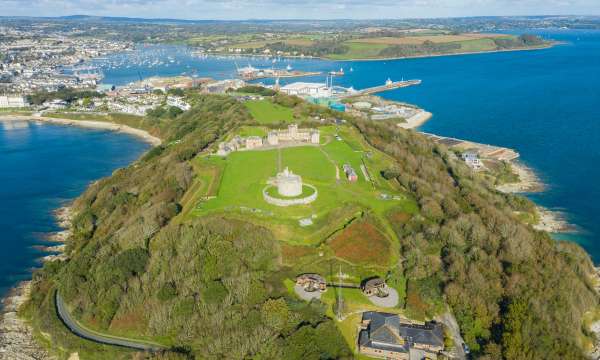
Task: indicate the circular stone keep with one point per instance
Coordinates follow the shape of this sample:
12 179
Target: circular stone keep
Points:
289 184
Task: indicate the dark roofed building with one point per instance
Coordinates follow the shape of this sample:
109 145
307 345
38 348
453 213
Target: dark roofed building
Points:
384 335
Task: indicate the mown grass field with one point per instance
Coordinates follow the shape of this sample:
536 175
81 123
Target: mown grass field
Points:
339 202
266 112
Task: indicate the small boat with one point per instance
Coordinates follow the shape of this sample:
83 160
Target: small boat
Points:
289 67
337 73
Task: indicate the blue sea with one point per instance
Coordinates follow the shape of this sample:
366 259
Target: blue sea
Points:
543 103
43 167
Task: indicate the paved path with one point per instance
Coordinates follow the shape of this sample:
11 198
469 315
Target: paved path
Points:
450 322
75 328
305 295
389 301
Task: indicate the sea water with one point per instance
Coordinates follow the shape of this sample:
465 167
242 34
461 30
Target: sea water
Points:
44 167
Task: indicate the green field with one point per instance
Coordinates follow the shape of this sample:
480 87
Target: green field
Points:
246 174
370 48
357 50
266 112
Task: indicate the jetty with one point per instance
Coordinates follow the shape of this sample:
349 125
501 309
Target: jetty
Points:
389 85
249 73
485 151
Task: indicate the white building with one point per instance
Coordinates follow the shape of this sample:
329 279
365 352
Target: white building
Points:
178 102
13 102
471 158
307 89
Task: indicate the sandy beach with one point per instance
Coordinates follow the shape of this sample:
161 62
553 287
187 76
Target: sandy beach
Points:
145 136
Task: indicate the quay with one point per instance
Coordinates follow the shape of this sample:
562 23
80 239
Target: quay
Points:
486 151
389 85
282 75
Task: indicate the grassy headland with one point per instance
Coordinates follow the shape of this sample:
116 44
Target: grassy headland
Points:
172 248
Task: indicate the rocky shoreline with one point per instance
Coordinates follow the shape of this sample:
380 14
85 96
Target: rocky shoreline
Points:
16 335
528 182
551 221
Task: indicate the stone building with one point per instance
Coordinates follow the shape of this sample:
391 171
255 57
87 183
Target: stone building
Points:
293 134
311 282
254 142
290 188
375 287
289 184
386 336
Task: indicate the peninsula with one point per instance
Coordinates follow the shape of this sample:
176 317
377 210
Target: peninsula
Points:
319 212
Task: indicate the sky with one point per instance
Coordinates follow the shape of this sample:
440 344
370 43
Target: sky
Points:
297 9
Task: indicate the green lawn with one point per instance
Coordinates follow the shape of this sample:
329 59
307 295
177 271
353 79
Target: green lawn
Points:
247 172
266 112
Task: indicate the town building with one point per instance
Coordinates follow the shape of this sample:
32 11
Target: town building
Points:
293 134
350 173
13 101
387 336
312 282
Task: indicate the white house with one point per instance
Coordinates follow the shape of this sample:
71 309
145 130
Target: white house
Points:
471 158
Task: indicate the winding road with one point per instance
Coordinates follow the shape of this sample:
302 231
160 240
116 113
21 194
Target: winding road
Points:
81 331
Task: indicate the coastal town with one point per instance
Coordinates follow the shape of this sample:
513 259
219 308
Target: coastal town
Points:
285 215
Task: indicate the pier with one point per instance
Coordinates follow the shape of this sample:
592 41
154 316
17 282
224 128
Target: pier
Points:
389 85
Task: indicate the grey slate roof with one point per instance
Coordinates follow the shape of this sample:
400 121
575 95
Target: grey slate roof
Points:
386 332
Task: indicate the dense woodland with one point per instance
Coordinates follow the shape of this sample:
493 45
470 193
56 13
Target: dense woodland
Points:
213 287
516 293
209 288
